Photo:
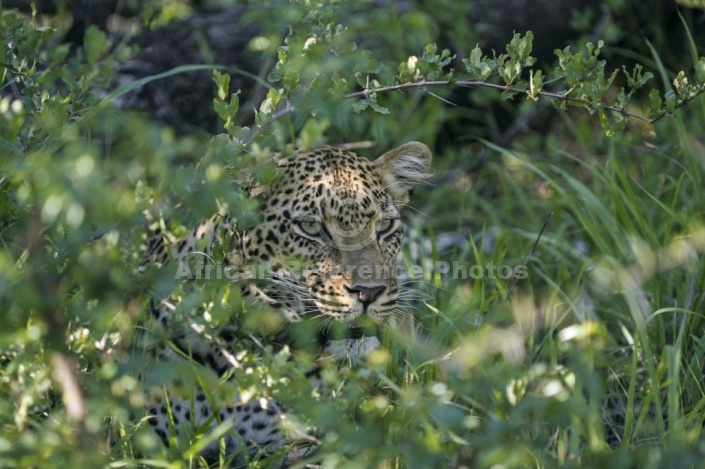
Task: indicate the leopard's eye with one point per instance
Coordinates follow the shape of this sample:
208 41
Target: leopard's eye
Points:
311 228
384 226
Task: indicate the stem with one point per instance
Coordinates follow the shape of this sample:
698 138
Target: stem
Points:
265 125
472 84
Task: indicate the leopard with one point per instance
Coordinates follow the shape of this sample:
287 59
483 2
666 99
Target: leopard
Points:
329 234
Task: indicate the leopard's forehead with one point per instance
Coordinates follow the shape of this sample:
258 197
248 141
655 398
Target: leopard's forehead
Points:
333 183
344 166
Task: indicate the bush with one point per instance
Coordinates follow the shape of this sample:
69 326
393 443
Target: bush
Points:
593 360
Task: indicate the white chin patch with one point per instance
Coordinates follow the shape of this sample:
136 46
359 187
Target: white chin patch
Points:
351 348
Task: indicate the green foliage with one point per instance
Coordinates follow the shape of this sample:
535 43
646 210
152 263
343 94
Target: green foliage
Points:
226 111
502 372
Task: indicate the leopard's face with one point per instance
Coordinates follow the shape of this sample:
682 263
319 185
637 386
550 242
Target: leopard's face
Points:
331 231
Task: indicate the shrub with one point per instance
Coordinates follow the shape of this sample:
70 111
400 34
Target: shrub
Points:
594 359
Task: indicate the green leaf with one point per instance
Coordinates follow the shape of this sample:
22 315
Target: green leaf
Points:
220 108
291 81
656 102
365 67
508 95
670 100
637 79
360 105
234 104
340 84
510 71
700 72
274 96
274 77
379 109
535 84
95 44
680 83
475 56
519 47
313 133
222 83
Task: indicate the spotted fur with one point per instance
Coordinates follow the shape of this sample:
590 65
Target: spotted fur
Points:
329 236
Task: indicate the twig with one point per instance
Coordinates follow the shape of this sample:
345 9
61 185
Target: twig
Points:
265 125
438 97
482 84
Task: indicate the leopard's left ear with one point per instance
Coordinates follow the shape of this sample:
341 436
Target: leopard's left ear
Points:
403 168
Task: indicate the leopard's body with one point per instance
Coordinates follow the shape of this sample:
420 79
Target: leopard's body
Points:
329 235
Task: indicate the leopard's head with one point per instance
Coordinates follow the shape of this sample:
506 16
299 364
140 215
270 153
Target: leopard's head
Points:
331 231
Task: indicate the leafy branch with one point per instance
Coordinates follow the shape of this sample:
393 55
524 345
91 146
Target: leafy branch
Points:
264 118
366 93
579 80
581 74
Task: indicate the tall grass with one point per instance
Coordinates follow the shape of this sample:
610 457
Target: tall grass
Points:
597 356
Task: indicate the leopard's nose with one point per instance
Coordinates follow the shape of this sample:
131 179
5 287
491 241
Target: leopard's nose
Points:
366 295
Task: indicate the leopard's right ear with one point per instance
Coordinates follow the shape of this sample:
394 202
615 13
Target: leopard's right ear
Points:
403 168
